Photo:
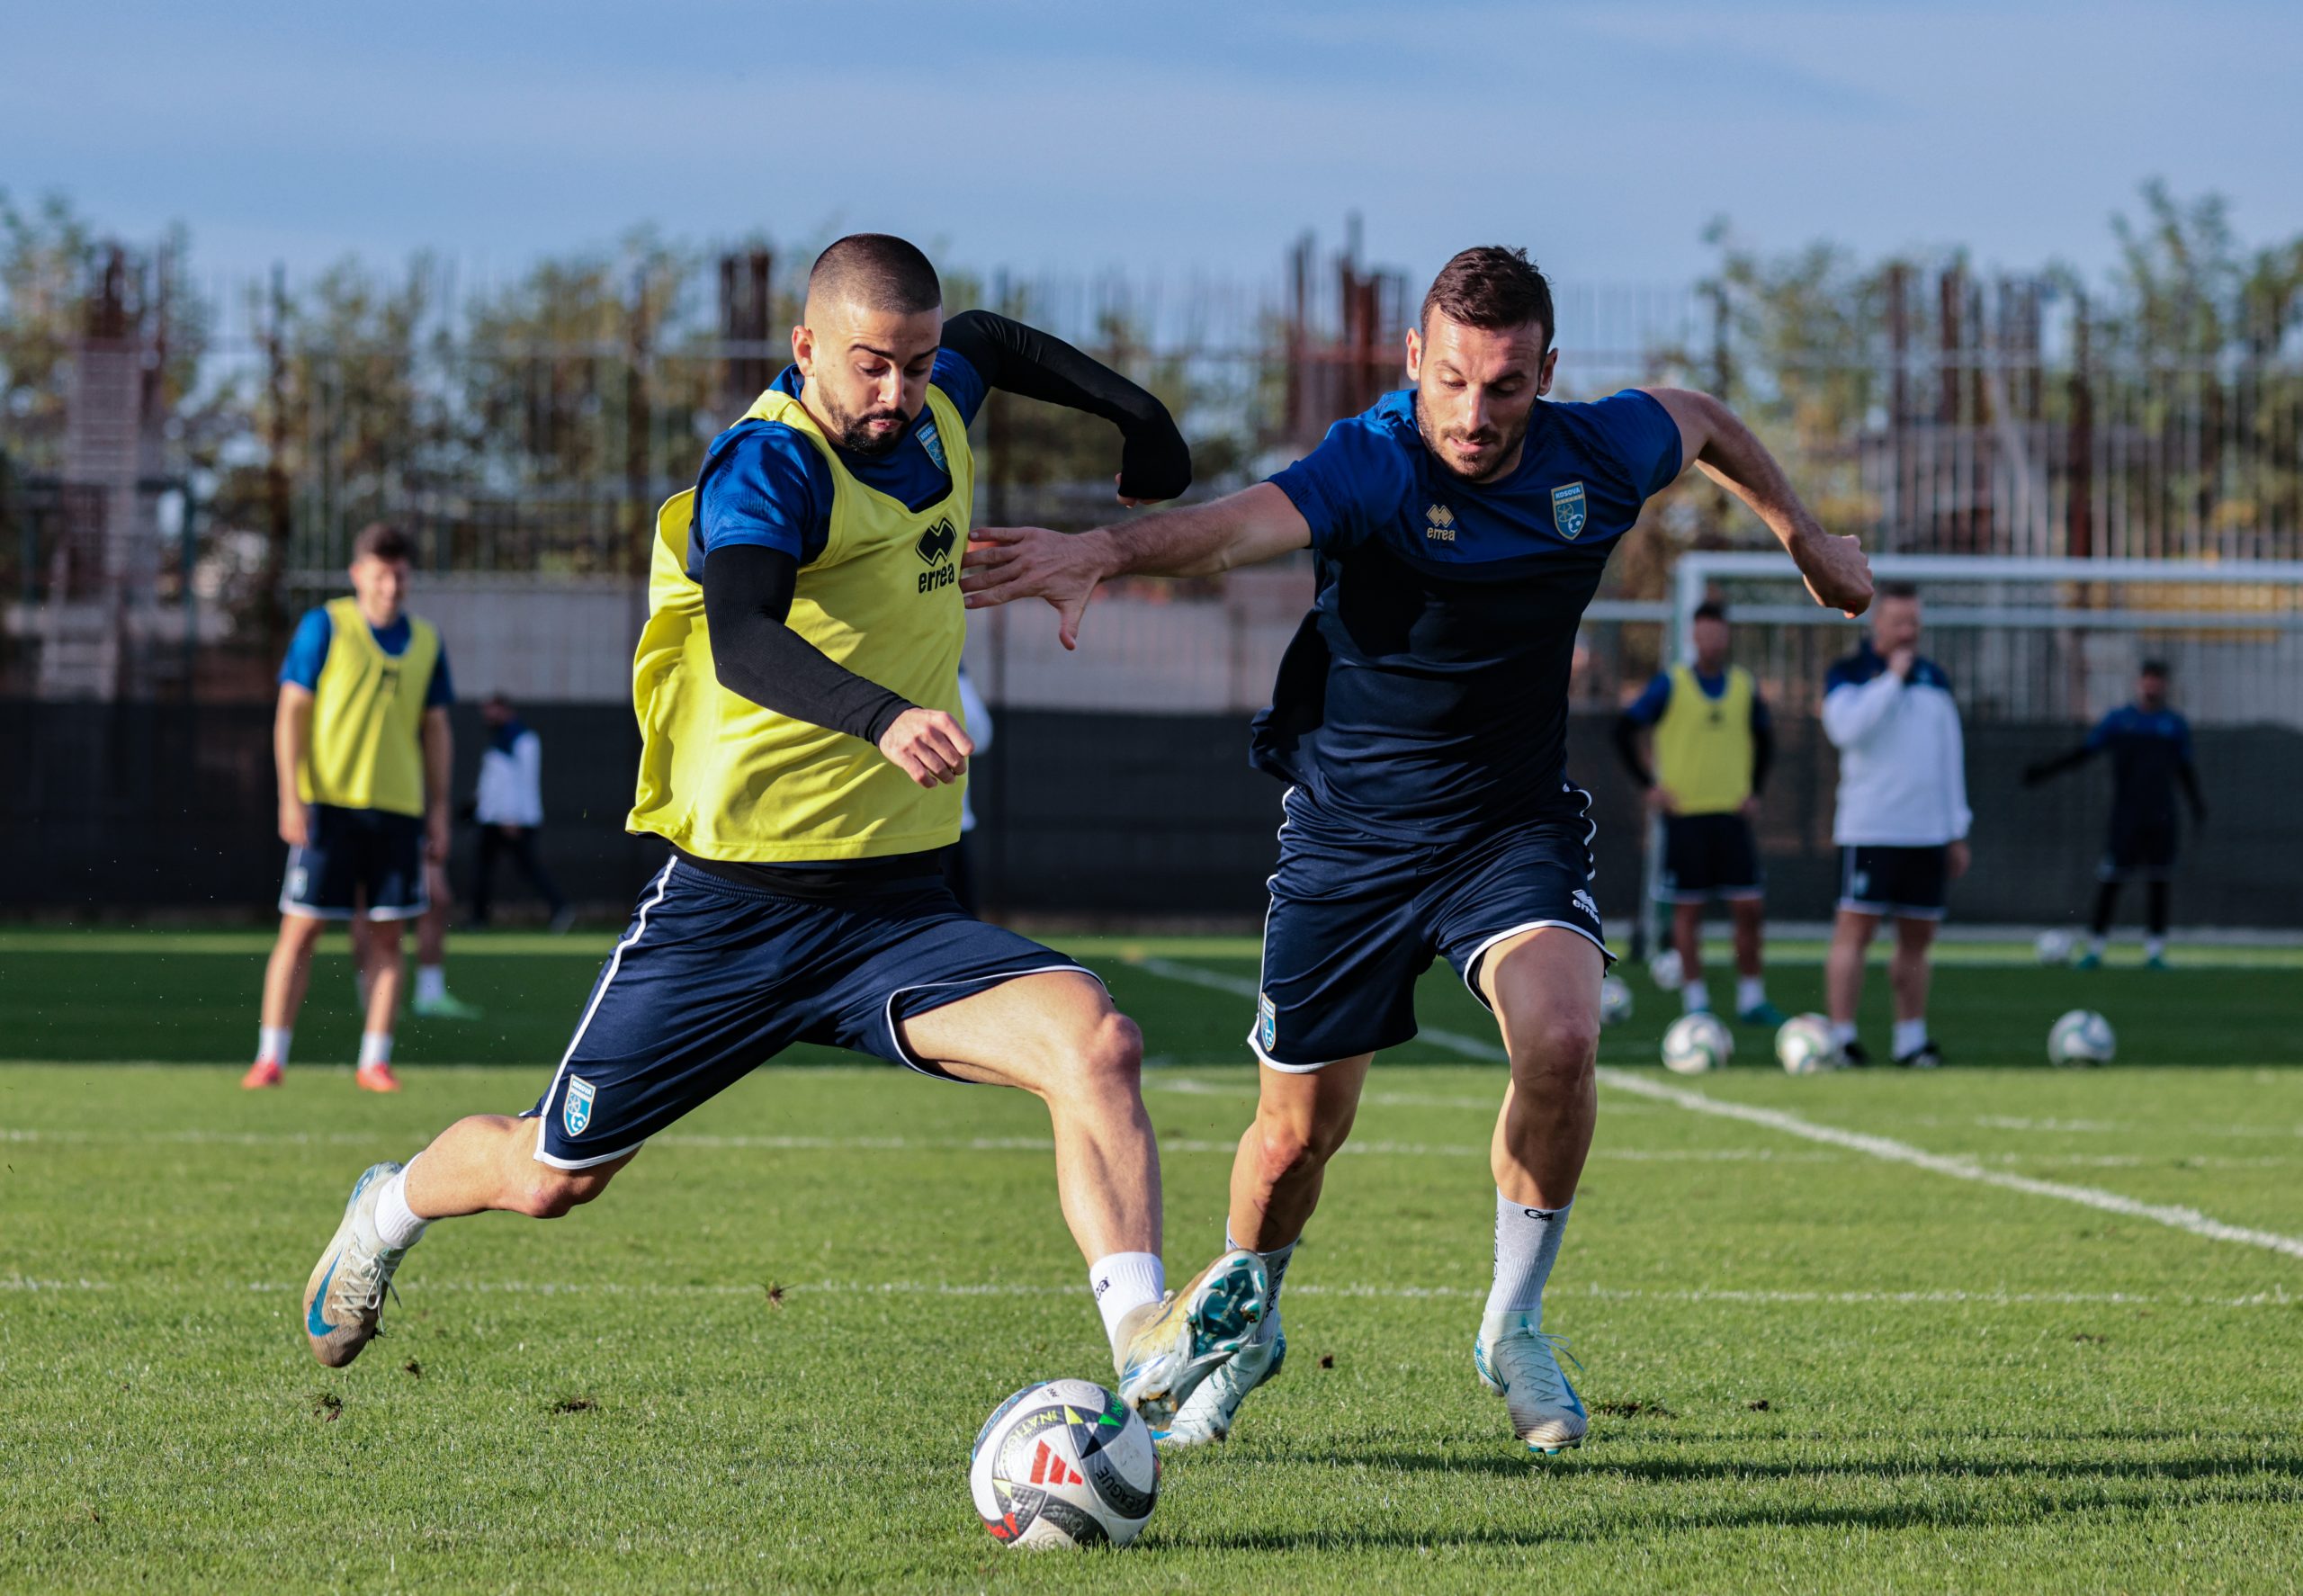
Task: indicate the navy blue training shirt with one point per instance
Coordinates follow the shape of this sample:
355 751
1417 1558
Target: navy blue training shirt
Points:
1425 697
762 482
2149 750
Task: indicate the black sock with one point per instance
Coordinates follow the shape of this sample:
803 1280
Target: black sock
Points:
2158 906
2107 898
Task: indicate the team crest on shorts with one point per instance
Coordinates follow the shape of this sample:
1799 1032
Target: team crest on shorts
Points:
1567 509
1267 1022
576 1109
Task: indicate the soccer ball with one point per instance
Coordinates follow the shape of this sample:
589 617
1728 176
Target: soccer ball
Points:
2054 947
1802 1045
2082 1038
1064 1464
1667 971
1614 1000
1697 1043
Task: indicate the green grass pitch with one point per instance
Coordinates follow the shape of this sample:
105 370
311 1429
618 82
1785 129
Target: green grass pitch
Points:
759 1362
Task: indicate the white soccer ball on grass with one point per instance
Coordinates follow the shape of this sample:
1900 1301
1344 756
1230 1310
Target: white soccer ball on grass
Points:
1665 970
1802 1045
1697 1043
1614 1000
2080 1038
1064 1464
2053 948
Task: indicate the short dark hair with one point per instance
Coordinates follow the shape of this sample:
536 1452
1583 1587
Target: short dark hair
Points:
380 540
1491 287
1896 588
879 272
2157 667
1710 609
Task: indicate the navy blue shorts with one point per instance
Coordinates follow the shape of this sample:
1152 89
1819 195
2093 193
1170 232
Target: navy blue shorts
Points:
712 979
1909 883
1355 919
1708 856
358 861
2139 850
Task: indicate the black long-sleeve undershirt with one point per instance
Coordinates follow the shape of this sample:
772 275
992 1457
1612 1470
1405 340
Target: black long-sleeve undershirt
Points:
747 600
1154 462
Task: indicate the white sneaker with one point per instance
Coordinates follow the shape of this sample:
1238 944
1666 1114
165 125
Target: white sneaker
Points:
1520 1363
346 1295
1175 1344
1207 1415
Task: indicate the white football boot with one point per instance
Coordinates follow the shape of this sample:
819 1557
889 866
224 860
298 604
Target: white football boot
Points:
346 1295
1521 1364
1207 1413
1175 1344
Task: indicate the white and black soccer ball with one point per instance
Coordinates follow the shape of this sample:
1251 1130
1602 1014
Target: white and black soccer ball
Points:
1666 971
2082 1038
1065 1463
1614 1000
1802 1045
1697 1043
2053 948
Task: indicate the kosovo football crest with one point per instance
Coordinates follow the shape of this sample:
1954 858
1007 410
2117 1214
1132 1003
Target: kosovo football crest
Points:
576 1109
1266 1021
1567 509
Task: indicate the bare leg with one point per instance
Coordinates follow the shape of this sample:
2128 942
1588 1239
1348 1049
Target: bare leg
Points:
432 928
488 1164
1908 970
384 967
290 969
1545 988
1687 936
1852 934
1749 915
1057 1036
1302 1119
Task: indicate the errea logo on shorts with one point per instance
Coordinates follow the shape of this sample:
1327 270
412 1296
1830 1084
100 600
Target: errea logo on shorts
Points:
1582 901
1439 524
934 547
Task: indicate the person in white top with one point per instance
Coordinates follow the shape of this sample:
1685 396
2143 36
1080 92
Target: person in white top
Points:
959 859
1901 822
510 809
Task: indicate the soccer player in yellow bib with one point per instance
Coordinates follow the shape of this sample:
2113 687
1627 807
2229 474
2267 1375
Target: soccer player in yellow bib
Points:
1714 743
803 752
363 745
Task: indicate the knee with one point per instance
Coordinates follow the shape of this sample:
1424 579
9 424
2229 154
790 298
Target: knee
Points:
1289 1147
1559 1049
1111 1057
548 1193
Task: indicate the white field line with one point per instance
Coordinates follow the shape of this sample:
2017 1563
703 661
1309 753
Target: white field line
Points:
1001 1288
2186 1219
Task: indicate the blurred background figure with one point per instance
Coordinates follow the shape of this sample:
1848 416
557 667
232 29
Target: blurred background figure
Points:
959 859
510 811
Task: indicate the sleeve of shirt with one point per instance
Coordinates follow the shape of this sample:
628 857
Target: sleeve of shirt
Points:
440 693
764 493
1645 437
1852 711
308 651
1653 701
1762 718
1348 486
527 761
962 384
2101 737
2182 739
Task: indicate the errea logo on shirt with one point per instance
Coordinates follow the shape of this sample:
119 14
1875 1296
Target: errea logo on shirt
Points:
1439 524
935 547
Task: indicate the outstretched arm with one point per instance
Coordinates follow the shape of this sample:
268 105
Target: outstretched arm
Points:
1006 563
1727 452
2042 770
1154 462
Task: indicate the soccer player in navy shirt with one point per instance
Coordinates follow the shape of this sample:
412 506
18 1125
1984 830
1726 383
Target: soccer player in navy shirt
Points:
2150 746
1459 528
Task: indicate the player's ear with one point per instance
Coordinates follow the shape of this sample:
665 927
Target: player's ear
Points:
1542 381
804 351
1415 357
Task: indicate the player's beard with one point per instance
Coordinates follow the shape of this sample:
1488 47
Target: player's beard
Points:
1505 456
854 433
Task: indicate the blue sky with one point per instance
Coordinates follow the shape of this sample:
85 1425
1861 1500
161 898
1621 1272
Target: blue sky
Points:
1179 135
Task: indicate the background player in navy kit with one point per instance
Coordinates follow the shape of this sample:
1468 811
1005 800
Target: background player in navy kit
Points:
1460 529
2150 747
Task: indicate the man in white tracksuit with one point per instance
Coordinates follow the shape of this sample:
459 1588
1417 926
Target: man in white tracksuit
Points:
1902 825
509 807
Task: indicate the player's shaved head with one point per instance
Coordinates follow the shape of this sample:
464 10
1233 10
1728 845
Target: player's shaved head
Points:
874 272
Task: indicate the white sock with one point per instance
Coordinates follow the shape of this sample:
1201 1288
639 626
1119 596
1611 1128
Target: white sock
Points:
1275 1262
1526 1240
431 982
375 1048
2155 948
272 1042
1842 1032
1693 998
1122 1283
397 1225
2095 945
1751 991
1911 1036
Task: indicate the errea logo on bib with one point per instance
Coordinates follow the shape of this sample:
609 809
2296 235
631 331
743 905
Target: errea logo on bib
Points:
935 547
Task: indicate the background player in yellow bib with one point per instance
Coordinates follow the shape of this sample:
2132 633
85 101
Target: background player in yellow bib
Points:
803 751
1713 745
363 750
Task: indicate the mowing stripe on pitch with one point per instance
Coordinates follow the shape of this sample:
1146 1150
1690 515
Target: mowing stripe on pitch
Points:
2188 1220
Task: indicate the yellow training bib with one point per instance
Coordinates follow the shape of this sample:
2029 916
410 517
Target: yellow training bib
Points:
367 749
723 778
1703 744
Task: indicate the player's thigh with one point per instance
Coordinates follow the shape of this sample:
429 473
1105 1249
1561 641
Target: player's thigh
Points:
1046 1033
1544 987
1301 1112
